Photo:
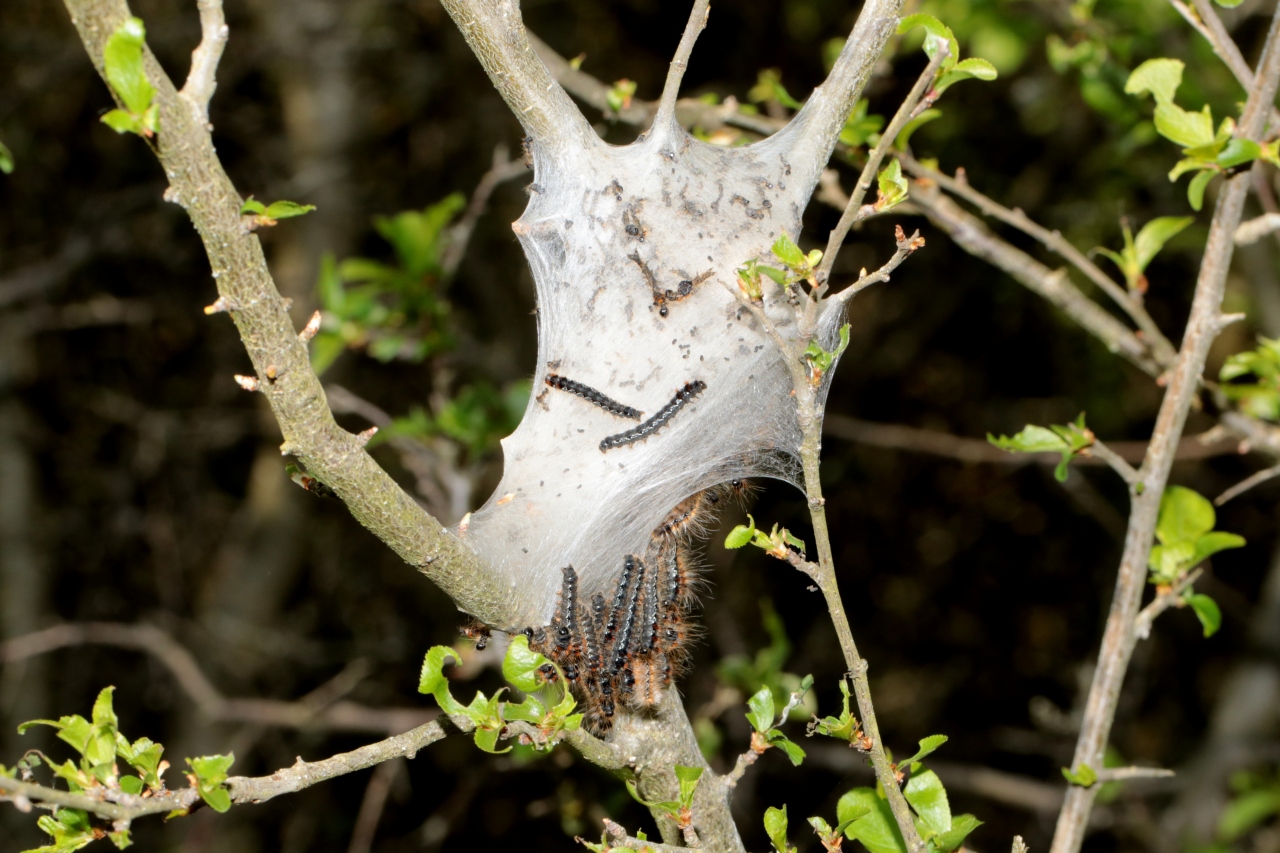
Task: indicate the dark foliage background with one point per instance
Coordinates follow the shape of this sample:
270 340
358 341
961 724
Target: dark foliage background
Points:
138 483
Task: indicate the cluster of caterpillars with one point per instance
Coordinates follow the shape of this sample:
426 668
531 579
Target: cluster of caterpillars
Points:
626 651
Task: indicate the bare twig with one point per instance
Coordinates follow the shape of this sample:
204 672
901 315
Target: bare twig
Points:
1184 382
202 78
853 207
126 807
329 453
503 169
972 235
1161 350
1171 597
675 71
372 806
1257 228
1121 774
618 838
1115 460
745 760
320 710
1247 483
906 247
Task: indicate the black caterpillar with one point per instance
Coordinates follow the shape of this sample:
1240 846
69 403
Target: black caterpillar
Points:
593 396
658 421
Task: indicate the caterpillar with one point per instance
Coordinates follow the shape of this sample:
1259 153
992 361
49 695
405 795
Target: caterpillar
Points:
627 623
658 421
567 618
593 396
477 631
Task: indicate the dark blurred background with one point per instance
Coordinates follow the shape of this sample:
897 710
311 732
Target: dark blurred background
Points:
139 484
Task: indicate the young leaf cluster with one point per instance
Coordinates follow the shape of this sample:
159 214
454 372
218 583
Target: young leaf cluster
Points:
938 37
1068 439
1187 538
764 719
681 809
778 543
391 311
1138 252
123 61
1261 397
259 215
523 668
1206 152
101 747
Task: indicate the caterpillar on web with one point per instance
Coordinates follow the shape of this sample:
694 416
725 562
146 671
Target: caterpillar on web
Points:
593 396
658 421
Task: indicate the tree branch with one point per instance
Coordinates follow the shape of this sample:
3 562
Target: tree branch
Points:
1171 597
853 208
319 710
666 113
1202 327
337 458
1161 350
906 247
1053 285
496 34
288 780
201 79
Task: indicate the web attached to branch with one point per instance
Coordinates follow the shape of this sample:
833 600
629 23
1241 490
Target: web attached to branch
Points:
634 250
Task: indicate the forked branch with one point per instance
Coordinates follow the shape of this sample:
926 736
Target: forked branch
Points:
680 62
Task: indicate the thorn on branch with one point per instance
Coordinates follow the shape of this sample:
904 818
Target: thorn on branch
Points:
309 331
362 437
220 305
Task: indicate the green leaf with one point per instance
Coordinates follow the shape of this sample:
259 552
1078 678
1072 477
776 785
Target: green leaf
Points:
961 826
1160 77
287 209
1188 129
928 746
788 252
937 34
124 67
131 784
672 809
775 826
1212 543
1246 812
211 772
875 828
1237 152
741 535
521 663
120 838
252 206
69 828
1207 611
970 69
121 122
1152 237
892 186
1085 777
6 159
844 727
1032 439
487 740
688 778
762 711
792 749
904 137
1185 516
432 679
1195 190
927 796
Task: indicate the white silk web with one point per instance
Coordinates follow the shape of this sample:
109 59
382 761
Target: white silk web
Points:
608 231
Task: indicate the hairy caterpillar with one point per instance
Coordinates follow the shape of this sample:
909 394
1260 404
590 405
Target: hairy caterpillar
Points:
658 421
593 396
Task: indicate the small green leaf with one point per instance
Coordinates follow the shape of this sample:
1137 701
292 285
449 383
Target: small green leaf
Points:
1207 611
6 159
521 663
432 679
937 36
121 122
672 809
120 838
775 826
741 535
688 778
487 740
892 186
792 749
1152 237
1085 777
122 58
972 68
1195 190
904 137
1185 516
762 711
287 209
961 826
1160 77
252 206
1238 152
211 772
1188 129
788 252
928 746
131 784
870 821
1032 439
927 796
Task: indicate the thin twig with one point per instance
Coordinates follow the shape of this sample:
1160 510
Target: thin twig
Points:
1255 229
1121 774
1184 382
618 838
1162 351
1115 460
907 110
1171 597
740 766
675 72
906 247
503 169
372 806
320 710
202 78
126 807
1246 484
